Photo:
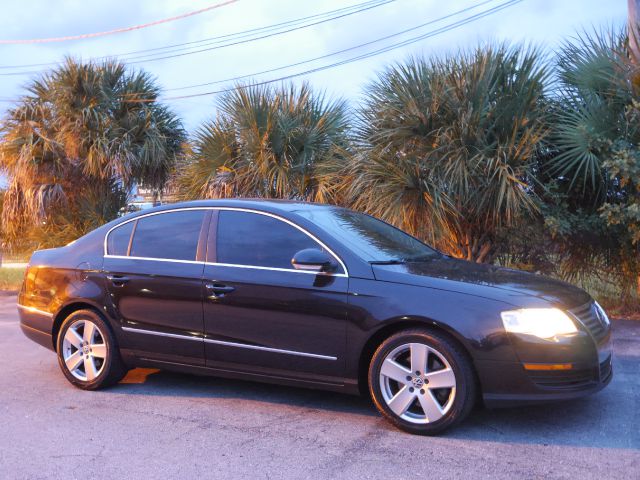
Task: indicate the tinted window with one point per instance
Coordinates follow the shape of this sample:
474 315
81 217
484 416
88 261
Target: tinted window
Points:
168 235
370 238
118 241
251 239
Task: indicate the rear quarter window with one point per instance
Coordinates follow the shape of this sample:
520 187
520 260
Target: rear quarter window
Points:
118 240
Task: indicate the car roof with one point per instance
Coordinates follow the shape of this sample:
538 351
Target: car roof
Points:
269 205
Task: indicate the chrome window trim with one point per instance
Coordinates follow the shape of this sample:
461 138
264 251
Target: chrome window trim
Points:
274 269
151 214
236 209
230 344
35 310
170 260
232 265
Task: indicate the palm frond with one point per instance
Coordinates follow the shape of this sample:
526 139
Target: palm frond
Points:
82 124
266 142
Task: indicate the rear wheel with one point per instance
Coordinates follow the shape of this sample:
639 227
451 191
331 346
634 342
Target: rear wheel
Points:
421 381
87 351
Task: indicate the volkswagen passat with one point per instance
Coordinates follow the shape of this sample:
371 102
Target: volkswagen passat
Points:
316 296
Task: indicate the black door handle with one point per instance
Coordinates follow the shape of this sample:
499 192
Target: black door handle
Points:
118 280
218 290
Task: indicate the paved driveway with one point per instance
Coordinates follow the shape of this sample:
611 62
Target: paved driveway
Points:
171 426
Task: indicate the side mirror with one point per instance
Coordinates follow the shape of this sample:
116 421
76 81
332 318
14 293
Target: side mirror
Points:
313 260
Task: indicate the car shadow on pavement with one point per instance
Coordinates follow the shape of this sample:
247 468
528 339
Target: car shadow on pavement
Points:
164 383
602 420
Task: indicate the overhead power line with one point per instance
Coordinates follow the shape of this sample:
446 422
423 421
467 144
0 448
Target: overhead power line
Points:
447 28
411 40
118 30
223 40
143 59
322 17
338 52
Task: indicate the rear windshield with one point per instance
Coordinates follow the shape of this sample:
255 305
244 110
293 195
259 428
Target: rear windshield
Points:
371 239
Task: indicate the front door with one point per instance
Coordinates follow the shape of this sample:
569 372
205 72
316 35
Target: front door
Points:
154 280
260 314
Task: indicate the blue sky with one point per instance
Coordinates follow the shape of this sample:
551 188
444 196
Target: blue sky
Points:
541 22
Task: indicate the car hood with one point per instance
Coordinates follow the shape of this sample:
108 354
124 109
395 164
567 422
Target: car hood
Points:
498 283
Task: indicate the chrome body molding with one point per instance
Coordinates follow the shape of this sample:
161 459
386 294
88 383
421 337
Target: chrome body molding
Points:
231 344
35 310
161 334
268 349
237 209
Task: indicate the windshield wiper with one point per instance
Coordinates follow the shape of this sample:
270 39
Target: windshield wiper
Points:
397 261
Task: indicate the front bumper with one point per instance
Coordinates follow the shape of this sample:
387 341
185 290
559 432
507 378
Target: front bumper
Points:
589 352
510 385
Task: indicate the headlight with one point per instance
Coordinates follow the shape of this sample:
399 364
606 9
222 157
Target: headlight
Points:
541 322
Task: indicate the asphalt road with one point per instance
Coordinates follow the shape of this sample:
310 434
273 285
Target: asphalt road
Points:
165 425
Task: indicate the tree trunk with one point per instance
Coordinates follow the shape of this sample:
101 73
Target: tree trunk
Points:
477 249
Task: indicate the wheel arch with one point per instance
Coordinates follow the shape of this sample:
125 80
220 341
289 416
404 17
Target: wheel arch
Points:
67 310
396 325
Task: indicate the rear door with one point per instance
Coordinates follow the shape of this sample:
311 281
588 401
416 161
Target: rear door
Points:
263 316
153 270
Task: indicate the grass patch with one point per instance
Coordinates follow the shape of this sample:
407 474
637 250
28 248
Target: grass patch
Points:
11 278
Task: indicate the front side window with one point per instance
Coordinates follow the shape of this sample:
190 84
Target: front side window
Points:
118 241
251 239
172 235
368 237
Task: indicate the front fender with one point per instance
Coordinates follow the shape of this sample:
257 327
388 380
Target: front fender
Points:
474 321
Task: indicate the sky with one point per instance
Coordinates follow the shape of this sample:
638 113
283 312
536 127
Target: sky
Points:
544 23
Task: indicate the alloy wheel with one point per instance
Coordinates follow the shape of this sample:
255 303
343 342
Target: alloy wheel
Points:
417 383
84 350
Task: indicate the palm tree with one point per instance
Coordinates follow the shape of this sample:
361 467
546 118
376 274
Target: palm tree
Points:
265 142
77 142
593 93
445 147
595 194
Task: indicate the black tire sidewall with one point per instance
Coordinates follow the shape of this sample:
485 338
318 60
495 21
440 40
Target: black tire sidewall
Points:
112 358
465 381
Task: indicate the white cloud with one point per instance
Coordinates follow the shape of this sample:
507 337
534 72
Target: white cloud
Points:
544 22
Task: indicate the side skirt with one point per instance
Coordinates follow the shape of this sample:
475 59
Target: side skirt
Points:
347 386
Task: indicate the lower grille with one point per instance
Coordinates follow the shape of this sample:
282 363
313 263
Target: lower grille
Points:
588 315
564 379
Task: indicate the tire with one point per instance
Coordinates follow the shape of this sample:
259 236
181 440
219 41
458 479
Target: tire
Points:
88 353
419 402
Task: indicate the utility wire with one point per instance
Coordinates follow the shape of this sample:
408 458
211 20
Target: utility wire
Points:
338 52
155 57
409 41
336 14
359 7
118 30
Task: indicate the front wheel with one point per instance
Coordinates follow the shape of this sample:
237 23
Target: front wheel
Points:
421 381
87 351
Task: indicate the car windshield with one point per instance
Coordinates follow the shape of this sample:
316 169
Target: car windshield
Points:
370 238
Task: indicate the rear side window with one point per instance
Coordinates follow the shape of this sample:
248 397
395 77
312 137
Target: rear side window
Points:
118 241
172 236
252 239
